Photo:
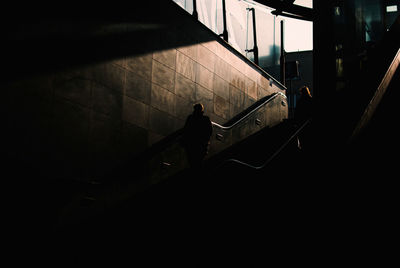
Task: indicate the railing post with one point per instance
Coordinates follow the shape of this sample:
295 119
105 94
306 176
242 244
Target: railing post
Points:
283 60
195 14
225 32
255 47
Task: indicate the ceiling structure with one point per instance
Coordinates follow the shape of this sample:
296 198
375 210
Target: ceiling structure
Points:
287 8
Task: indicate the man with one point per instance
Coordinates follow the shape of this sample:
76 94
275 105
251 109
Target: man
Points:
196 136
304 106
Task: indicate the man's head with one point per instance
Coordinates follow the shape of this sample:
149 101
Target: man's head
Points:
198 108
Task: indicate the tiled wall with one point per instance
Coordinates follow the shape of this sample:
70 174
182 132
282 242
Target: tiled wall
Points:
82 121
163 86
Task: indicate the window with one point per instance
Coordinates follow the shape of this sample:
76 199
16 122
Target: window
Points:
391 8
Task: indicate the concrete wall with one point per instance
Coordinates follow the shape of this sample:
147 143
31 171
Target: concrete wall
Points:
70 120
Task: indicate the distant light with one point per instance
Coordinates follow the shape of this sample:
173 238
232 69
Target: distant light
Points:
391 8
337 11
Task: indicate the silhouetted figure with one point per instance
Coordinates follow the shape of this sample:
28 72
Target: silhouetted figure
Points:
304 106
303 112
196 136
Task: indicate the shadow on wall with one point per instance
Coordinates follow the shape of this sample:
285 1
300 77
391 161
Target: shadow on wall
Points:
38 41
271 62
86 90
66 81
76 93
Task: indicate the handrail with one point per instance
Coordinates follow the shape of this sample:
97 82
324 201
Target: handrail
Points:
273 155
276 94
158 146
377 97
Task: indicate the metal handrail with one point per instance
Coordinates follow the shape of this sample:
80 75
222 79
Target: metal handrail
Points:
272 156
250 113
159 146
376 98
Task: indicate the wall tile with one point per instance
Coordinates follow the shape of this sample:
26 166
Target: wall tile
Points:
248 101
221 87
211 45
189 51
236 97
262 92
204 77
106 100
221 107
206 57
234 110
185 87
135 112
140 65
137 87
251 87
183 107
163 76
121 62
237 79
110 75
162 99
185 66
251 73
167 57
223 53
203 93
230 58
239 64
263 82
222 69
205 97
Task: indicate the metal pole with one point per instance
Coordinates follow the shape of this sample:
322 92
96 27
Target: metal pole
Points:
225 32
291 97
283 60
255 47
255 38
195 14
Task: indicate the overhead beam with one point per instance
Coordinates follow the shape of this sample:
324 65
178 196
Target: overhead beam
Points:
288 9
